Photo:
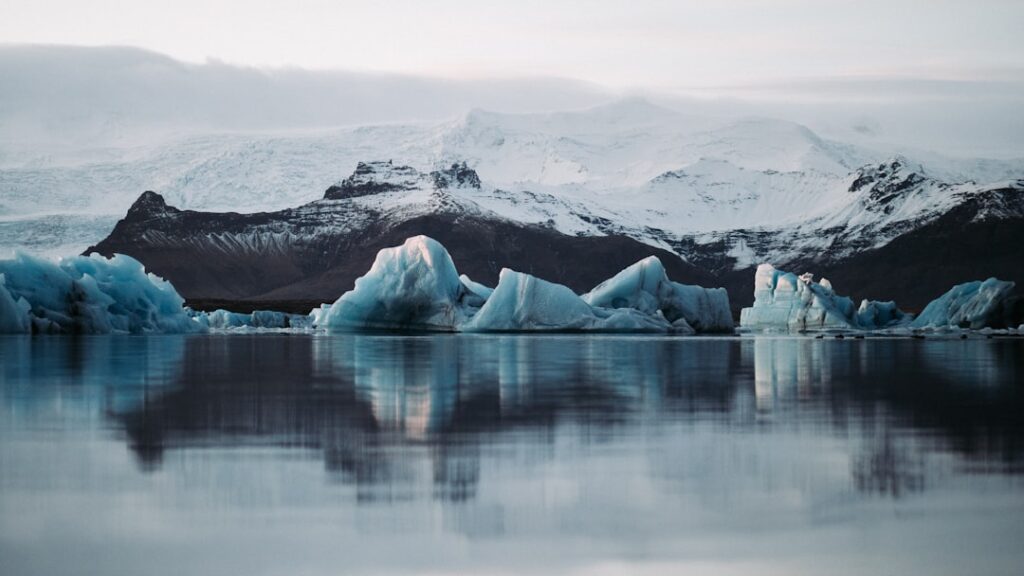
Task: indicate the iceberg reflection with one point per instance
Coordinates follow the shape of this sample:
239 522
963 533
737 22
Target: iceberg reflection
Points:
412 417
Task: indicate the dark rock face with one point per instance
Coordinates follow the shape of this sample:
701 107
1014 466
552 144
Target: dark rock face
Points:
149 205
374 178
458 175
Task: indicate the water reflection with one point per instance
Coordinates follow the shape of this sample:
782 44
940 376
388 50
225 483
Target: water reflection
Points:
375 407
653 448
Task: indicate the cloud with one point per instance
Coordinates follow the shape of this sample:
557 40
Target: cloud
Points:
61 97
102 94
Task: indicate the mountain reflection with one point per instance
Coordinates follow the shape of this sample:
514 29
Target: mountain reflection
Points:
377 408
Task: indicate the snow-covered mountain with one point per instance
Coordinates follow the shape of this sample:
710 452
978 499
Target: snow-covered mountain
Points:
702 173
721 193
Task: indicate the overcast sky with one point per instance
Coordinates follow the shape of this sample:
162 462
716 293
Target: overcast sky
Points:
618 43
939 75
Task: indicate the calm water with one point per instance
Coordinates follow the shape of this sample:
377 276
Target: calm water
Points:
288 454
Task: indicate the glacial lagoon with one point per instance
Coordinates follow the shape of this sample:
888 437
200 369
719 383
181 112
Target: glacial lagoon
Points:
477 454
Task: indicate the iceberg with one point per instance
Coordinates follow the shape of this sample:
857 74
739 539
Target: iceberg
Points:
645 286
88 295
412 286
265 319
875 314
972 305
416 286
785 301
522 302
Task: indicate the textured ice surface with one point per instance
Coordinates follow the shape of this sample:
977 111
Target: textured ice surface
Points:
14 314
412 286
875 314
785 301
478 293
970 305
88 295
645 286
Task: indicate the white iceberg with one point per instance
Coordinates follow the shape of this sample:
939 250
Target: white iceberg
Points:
785 301
645 286
318 315
88 295
412 286
970 305
524 303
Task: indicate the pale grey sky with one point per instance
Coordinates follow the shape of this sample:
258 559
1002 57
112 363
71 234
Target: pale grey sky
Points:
646 44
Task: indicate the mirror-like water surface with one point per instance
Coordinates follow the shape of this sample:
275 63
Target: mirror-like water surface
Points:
289 454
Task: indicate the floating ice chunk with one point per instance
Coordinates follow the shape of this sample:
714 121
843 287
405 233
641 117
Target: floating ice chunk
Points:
91 295
522 302
645 287
270 319
875 314
785 301
412 286
970 305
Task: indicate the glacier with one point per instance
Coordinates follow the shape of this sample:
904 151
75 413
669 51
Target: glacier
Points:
784 301
88 295
973 305
416 286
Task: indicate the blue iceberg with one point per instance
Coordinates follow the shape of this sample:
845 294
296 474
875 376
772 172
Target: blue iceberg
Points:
416 286
88 295
974 305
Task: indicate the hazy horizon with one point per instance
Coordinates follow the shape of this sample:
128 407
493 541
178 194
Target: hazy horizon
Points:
64 96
